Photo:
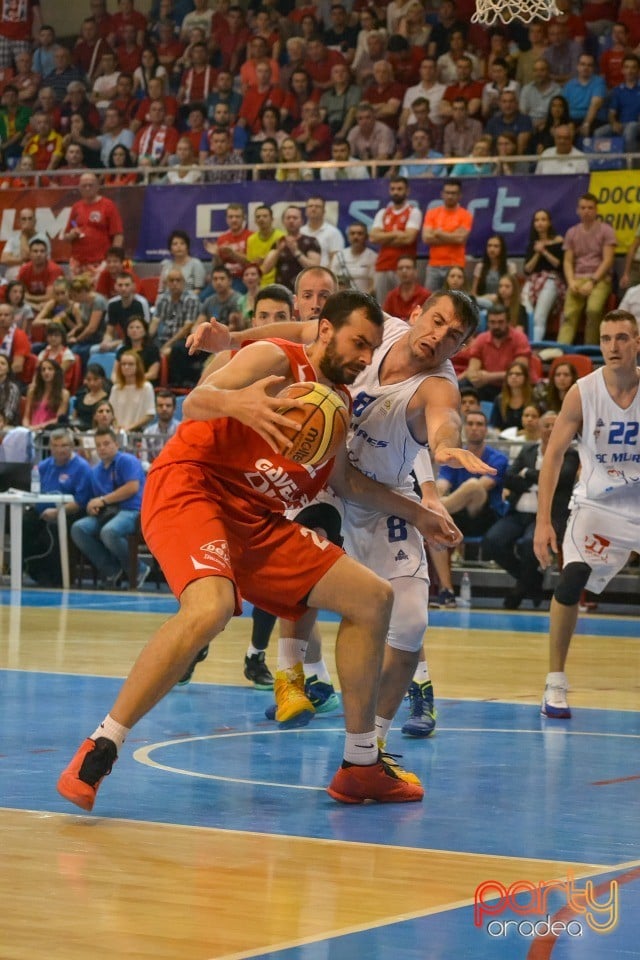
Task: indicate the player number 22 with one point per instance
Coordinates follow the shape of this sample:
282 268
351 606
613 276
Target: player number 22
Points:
621 432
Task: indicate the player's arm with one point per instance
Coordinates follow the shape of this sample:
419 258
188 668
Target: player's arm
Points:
352 485
244 389
212 337
441 402
568 424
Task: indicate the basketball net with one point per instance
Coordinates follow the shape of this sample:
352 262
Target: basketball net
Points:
490 11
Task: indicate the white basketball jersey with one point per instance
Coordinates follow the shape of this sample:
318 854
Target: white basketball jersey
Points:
380 443
609 449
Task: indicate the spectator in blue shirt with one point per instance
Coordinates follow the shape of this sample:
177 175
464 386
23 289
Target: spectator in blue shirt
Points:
624 107
113 511
474 502
508 119
585 95
421 150
63 472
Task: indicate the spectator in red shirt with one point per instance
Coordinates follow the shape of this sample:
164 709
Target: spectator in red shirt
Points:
196 129
233 40
230 249
312 136
129 51
89 48
157 140
257 52
319 61
127 15
38 275
124 99
611 59
155 94
493 352
76 101
168 48
301 91
44 146
104 20
384 94
14 343
116 263
94 226
18 27
400 301
200 79
259 96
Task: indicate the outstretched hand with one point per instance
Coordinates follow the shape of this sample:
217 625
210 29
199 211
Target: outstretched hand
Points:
211 337
458 457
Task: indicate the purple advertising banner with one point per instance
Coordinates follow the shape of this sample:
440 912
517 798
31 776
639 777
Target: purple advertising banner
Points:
503 205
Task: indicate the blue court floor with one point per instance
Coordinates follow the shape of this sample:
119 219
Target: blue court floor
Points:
501 781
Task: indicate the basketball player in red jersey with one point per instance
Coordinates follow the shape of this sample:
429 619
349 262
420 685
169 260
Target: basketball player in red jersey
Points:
212 515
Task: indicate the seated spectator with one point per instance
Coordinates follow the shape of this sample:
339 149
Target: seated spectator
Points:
93 309
44 145
43 62
354 266
319 62
506 149
224 163
126 305
535 97
267 160
224 303
545 289
230 249
62 472
185 170
74 164
562 53
64 72
462 132
155 142
259 95
341 154
251 277
76 101
292 252
515 395
370 139
120 164
9 391
81 133
137 340
421 150
39 274
26 80
562 379
312 136
487 272
374 49
585 94
492 351
114 133
464 89
499 83
124 100
56 349
624 107
60 307
113 512
474 502
295 52
47 398
105 86
589 252
86 401
558 116
301 91
290 153
223 92
413 24
341 36
328 236
401 301
537 44
482 148
16 249
89 48
428 89
269 128
162 429
116 262
257 52
223 119
125 17
149 68
168 47
338 103
23 312
508 119
447 63
179 244
131 396
175 313
14 121
384 94
509 297
509 542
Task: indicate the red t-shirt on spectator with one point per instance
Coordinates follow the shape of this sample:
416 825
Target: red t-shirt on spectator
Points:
17 24
254 101
154 142
100 222
129 60
496 355
173 50
320 70
229 43
321 133
170 109
118 21
238 243
106 284
397 306
198 84
36 282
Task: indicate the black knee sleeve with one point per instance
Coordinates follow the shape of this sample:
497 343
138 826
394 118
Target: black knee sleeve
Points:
323 517
572 582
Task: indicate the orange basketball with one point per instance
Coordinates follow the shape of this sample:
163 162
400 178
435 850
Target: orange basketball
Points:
324 420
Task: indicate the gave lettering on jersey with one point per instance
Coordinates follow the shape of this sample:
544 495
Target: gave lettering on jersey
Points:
273 481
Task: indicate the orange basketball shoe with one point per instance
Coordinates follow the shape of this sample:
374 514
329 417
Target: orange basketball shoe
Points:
379 782
293 707
93 761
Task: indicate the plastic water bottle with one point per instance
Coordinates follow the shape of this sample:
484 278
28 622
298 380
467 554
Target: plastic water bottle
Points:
465 590
35 479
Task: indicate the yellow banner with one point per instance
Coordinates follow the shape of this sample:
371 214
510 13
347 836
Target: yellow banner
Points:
618 194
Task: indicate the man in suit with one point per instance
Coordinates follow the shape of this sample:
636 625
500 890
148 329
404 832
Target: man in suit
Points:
510 540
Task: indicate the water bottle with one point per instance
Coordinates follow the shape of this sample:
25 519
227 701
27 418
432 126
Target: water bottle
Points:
35 479
465 590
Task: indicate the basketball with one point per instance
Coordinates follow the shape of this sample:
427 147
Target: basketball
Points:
323 422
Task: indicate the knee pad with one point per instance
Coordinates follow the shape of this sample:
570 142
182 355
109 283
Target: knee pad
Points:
572 582
323 517
410 613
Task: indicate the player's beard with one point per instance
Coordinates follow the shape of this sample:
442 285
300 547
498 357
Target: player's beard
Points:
334 369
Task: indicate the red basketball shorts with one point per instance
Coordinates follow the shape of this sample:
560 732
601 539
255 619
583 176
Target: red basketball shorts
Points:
196 528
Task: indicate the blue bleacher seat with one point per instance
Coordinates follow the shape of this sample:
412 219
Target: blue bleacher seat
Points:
487 408
179 402
106 361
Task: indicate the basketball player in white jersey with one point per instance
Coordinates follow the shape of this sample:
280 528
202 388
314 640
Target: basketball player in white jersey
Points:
603 410
410 398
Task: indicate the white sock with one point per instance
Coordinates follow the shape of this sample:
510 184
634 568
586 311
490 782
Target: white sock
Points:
382 728
361 748
318 670
253 651
422 672
558 679
113 730
291 650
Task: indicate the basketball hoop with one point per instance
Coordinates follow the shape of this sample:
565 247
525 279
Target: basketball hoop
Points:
490 11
